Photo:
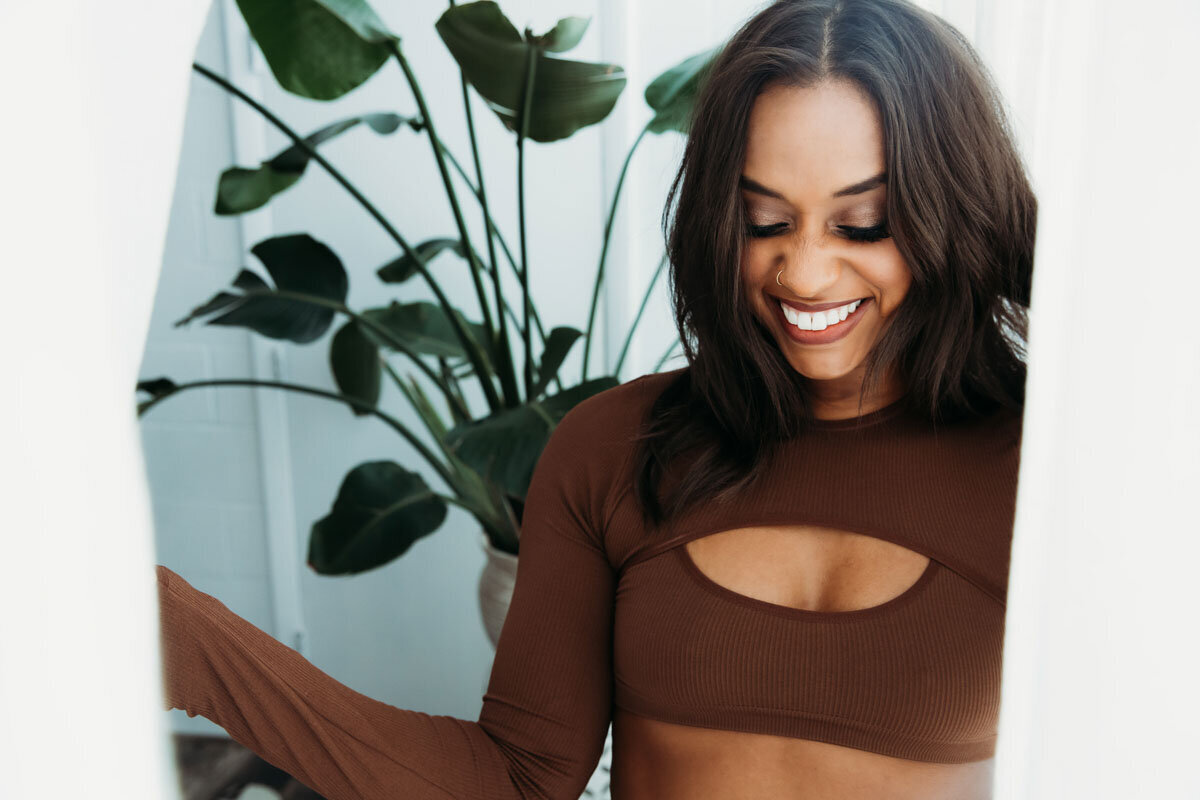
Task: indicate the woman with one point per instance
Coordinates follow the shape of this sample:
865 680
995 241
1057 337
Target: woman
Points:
779 571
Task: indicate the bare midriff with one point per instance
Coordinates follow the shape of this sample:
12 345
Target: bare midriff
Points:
656 760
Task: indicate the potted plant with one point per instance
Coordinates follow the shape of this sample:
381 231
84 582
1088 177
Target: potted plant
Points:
320 50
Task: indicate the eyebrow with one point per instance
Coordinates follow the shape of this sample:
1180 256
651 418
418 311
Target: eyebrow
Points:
854 188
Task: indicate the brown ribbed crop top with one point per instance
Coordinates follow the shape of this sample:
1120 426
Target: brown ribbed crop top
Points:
606 613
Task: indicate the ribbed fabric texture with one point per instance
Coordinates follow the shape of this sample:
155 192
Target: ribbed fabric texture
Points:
605 612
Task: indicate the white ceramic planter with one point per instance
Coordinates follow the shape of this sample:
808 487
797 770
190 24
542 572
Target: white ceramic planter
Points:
496 582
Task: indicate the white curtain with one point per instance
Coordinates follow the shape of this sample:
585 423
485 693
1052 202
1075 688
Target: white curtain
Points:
1101 655
93 110
1100 694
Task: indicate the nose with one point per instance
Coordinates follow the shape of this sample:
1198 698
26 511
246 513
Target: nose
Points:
809 271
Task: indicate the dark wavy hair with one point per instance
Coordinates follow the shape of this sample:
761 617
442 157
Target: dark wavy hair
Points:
959 207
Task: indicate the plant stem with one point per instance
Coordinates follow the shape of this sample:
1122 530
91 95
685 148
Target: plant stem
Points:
526 107
638 317
491 223
508 376
493 230
465 485
451 381
391 421
434 433
665 356
427 118
608 226
472 348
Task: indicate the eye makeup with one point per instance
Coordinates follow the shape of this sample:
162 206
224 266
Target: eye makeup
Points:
874 233
855 233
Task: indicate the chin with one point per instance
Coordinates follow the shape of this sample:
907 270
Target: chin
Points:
824 369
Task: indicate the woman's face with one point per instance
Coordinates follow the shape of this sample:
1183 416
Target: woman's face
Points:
812 184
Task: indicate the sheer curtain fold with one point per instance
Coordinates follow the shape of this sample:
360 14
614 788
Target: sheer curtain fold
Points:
94 102
1100 696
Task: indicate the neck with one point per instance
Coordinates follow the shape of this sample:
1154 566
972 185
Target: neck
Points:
839 398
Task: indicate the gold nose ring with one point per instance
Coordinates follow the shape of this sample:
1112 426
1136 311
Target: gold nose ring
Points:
777 278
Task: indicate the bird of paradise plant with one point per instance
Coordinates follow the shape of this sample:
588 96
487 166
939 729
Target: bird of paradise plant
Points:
320 50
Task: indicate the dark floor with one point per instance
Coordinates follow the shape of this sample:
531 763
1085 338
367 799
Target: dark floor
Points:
215 767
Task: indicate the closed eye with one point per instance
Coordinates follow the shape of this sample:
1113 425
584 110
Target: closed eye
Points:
762 231
871 234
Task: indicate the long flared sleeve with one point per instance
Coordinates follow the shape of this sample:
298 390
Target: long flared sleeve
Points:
546 710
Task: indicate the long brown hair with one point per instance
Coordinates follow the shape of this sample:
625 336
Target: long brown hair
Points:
959 207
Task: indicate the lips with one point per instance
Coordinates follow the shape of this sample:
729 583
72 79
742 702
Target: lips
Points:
830 334
818 307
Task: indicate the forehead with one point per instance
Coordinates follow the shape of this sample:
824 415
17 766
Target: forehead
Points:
813 140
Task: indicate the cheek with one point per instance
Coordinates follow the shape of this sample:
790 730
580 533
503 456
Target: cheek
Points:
754 274
892 277
754 270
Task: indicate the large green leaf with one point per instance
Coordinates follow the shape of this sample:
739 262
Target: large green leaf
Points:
240 189
354 361
558 344
567 95
673 93
299 264
319 49
380 511
504 447
424 328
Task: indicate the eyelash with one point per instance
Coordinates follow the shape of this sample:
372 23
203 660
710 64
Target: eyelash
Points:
872 234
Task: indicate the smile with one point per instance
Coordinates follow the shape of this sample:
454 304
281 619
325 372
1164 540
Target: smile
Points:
819 327
817 320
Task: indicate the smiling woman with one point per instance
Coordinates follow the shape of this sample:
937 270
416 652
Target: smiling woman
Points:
828 239
842 152
782 570
852 250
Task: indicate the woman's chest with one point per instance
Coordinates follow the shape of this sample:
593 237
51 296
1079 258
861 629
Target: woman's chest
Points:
740 630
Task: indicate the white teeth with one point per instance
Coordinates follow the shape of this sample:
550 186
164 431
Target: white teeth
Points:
817 320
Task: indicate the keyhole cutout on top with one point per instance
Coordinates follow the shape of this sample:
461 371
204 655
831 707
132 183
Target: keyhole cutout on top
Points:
807 567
